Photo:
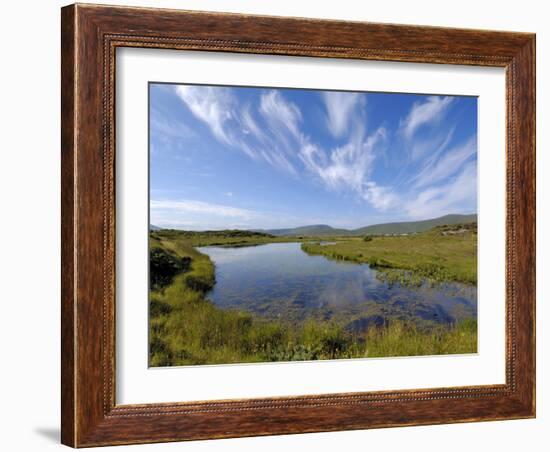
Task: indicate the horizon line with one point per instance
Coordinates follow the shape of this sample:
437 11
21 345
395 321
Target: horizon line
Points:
253 229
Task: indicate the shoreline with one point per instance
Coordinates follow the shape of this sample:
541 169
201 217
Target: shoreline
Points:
187 328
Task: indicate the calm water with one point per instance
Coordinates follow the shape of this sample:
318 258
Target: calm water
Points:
279 280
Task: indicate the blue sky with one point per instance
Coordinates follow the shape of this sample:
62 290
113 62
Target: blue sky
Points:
239 157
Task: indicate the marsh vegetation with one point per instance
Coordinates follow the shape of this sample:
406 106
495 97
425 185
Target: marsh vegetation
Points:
442 254
191 322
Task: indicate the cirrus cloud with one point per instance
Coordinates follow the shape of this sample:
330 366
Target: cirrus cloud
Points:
272 127
423 113
340 108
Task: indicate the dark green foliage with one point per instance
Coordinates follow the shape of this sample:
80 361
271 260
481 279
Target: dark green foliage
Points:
367 238
459 228
200 284
161 352
226 233
158 308
295 353
163 266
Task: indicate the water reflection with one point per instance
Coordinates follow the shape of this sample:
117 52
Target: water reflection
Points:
279 280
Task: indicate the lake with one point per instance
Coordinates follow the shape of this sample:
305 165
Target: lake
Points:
280 281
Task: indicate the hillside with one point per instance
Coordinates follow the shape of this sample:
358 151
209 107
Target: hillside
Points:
312 230
414 226
405 227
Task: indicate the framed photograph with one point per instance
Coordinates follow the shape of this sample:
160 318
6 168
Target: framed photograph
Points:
281 225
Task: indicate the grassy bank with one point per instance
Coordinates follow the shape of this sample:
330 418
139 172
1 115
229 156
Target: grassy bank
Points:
233 238
186 328
441 254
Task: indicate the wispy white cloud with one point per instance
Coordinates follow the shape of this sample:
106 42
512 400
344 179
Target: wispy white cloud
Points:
199 215
281 115
447 165
423 113
269 127
346 167
271 131
282 136
166 128
431 148
212 105
458 195
250 126
186 206
168 134
381 197
340 108
274 134
237 125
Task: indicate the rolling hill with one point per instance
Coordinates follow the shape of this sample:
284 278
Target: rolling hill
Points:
415 226
405 227
312 230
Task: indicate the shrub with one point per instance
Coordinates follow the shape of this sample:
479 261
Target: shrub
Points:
163 266
158 308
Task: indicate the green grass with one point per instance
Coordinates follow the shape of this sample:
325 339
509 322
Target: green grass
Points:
398 339
186 328
233 238
413 258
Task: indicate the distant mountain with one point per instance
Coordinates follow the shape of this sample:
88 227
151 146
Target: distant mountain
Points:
315 230
152 227
405 227
415 226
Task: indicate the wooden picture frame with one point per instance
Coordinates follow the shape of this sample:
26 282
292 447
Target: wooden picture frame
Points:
90 36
